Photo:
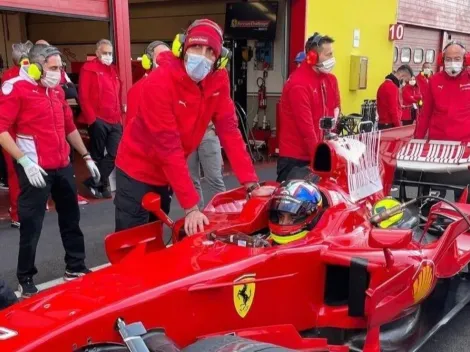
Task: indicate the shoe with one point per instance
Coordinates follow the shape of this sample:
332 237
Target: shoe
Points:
106 193
27 288
15 224
3 185
82 200
71 275
93 189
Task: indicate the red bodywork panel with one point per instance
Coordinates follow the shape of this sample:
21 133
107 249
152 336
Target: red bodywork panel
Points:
200 287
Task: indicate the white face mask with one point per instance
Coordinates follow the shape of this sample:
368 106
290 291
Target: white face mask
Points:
107 59
51 79
453 68
427 71
412 83
327 65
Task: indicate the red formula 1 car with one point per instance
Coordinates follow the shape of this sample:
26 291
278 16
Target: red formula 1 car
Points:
349 285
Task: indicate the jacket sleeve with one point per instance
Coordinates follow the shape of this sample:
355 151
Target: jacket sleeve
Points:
226 126
158 132
394 107
86 87
422 124
9 106
302 109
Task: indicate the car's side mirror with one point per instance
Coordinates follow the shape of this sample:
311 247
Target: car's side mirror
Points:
390 238
152 203
386 240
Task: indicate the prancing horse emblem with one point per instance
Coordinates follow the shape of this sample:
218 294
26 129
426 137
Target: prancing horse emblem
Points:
243 294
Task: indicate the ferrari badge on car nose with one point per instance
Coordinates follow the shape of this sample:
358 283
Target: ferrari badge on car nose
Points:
244 293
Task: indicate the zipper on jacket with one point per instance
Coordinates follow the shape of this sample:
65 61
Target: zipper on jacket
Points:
55 124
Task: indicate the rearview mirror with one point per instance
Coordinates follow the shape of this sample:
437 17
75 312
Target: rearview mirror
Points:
391 239
152 203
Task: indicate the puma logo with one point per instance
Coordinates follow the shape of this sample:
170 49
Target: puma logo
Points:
182 103
216 94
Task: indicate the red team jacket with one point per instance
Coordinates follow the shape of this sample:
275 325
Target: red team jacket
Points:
172 117
306 97
410 95
41 119
422 81
388 102
12 72
133 95
446 108
99 92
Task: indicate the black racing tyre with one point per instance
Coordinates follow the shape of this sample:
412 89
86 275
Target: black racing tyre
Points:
229 343
103 347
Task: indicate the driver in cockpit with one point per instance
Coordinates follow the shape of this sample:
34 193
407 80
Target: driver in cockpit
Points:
294 210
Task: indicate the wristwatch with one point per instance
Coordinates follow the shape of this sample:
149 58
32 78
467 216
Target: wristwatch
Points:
253 187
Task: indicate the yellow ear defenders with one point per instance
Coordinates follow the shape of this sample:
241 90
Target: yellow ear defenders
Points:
178 44
35 68
147 58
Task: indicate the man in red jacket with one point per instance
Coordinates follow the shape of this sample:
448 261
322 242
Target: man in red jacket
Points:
153 52
446 103
411 102
177 104
19 55
35 104
388 97
99 93
422 79
310 94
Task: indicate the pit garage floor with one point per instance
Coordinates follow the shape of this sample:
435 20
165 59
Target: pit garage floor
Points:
97 220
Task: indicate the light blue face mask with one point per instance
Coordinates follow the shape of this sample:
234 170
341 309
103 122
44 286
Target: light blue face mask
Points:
198 67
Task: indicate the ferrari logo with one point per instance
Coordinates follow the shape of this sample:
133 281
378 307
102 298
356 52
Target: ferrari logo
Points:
243 294
423 282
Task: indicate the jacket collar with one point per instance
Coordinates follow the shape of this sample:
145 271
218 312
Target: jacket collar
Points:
392 78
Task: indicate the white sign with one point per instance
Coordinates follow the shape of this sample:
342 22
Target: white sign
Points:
356 38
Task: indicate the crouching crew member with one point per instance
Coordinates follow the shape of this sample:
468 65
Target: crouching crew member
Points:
177 104
388 97
310 94
34 103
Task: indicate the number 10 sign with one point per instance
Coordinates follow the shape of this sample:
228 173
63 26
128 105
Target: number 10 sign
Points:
396 32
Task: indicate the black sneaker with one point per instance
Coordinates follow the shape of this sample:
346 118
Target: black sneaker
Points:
72 274
27 288
92 188
106 193
15 224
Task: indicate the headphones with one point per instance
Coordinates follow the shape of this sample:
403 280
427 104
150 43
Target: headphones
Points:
147 58
35 70
466 58
178 43
312 43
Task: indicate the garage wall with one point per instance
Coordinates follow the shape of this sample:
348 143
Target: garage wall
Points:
418 40
12 30
99 8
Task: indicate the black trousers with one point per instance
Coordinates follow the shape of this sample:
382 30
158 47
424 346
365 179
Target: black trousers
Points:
31 210
285 166
384 126
128 201
104 135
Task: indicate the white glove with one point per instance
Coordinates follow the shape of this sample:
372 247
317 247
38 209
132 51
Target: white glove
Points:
90 164
33 172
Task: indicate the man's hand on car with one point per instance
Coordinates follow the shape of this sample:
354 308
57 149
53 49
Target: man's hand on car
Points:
194 221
